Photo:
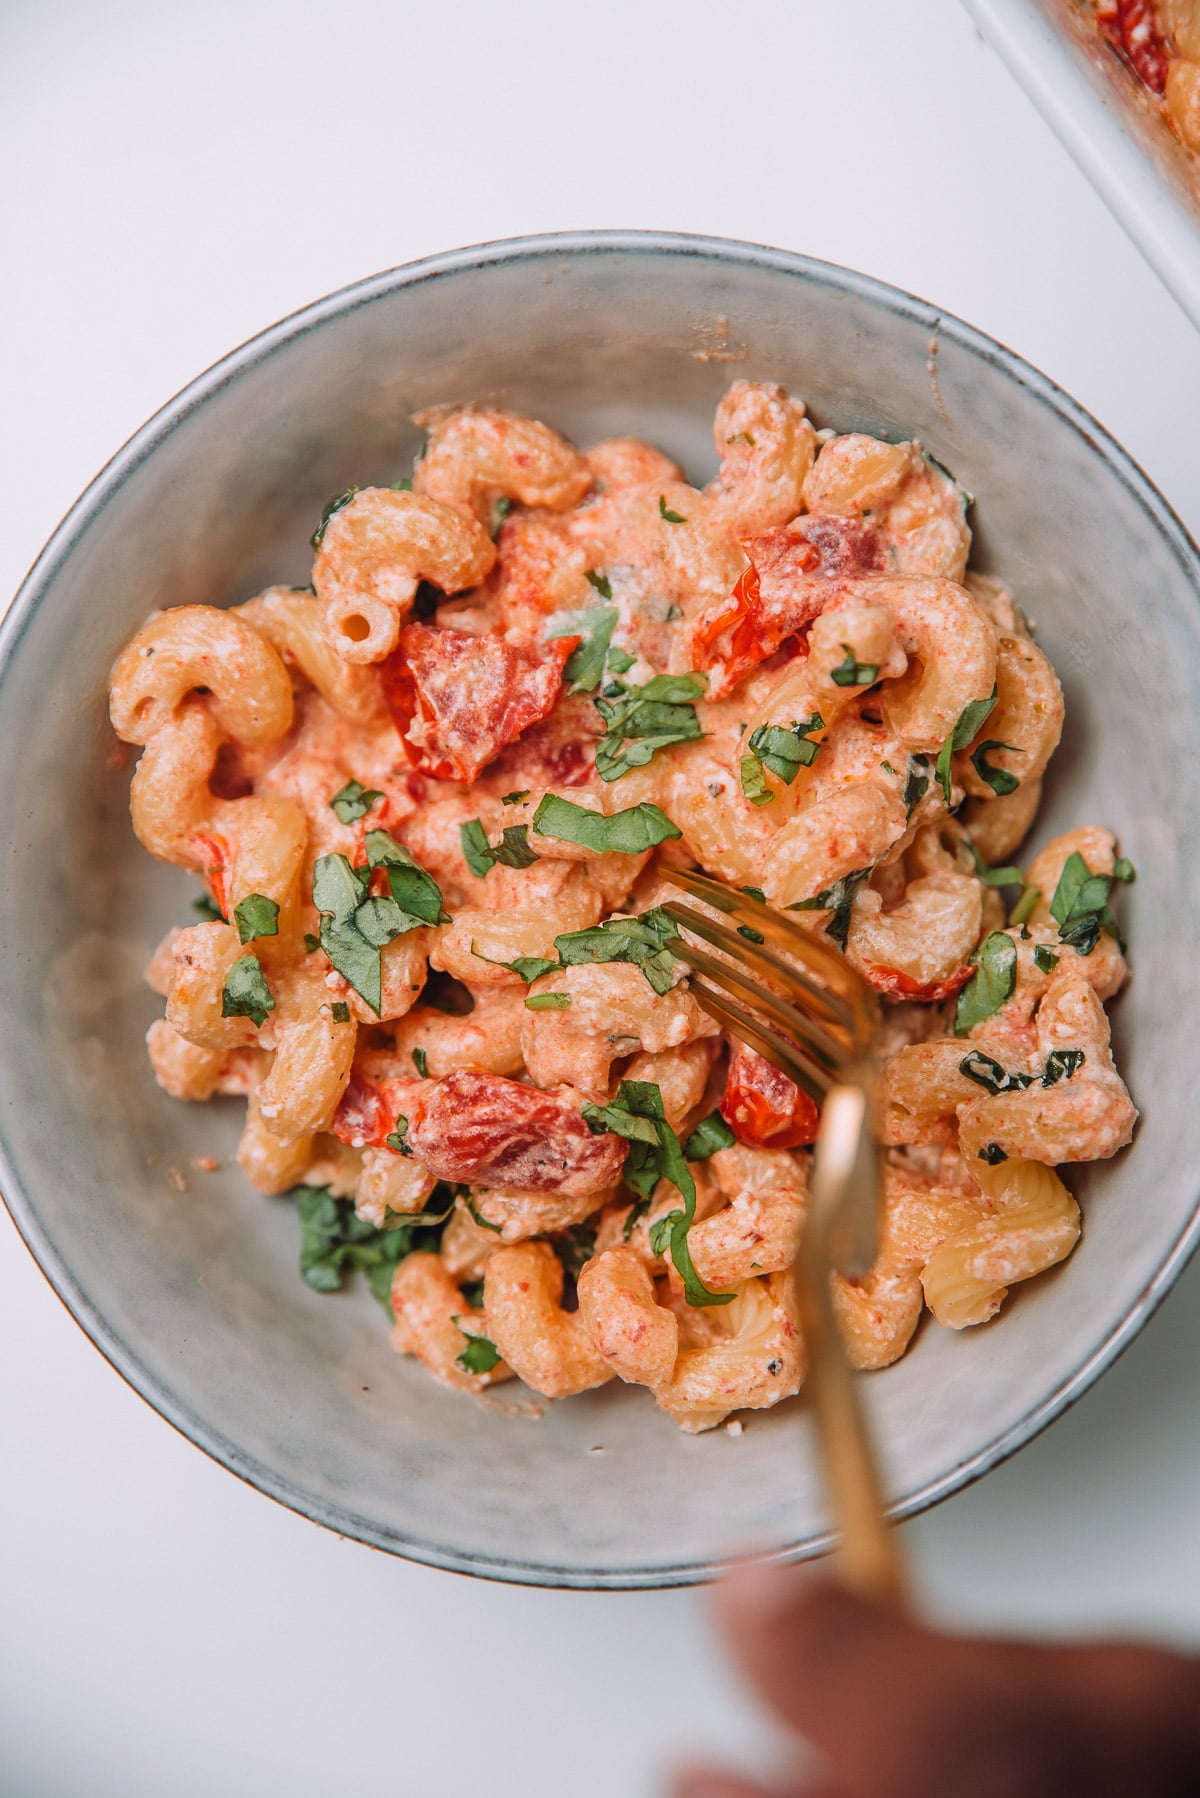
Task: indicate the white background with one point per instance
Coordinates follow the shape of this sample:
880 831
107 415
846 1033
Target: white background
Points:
173 179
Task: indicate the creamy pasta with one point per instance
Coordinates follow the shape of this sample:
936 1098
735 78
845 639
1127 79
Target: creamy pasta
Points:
431 796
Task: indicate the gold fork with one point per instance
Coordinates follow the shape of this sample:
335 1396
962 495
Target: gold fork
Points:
816 1023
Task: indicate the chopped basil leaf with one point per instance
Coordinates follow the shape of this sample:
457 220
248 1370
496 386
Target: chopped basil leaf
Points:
398 1140
630 832
327 511
515 798
209 910
991 985
642 940
1045 958
619 660
512 851
256 916
584 668
547 1001
755 893
993 1154
1026 905
637 1114
741 437
404 485
245 993
852 673
1008 876
673 615
421 1062
480 1354
916 782
477 1216
970 722
414 891
529 967
500 511
666 512
311 943
472 1291
599 581
888 766
838 899
998 779
639 721
754 785
1061 1064
334 1241
784 752
988 1073
1080 905
711 1134
354 926
354 801
751 936
339 1011
1123 869
575 1248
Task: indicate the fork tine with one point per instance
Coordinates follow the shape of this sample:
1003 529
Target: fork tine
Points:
764 961
786 1017
844 985
781 1054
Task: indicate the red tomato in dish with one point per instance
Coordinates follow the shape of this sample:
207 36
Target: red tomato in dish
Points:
458 700
1132 26
368 1109
763 1108
786 586
489 1131
898 985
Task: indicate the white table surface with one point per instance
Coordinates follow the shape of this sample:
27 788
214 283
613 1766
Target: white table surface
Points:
174 178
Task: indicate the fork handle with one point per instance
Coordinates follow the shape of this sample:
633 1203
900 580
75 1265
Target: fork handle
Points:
845 1181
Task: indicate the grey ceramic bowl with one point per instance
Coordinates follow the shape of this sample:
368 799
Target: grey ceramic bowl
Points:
194 1296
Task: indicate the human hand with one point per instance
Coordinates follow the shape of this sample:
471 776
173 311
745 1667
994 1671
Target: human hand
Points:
901 1711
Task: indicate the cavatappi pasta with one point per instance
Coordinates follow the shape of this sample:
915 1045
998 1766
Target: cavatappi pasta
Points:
430 796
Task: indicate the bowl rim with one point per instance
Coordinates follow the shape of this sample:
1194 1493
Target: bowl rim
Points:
123 465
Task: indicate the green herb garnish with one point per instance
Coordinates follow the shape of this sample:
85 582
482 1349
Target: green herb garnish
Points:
639 721
335 1242
630 832
327 511
993 1154
998 779
355 926
852 673
1061 1064
512 851
988 1073
256 916
1026 905
1080 905
838 899
642 940
397 1142
339 1011
916 782
637 1114
547 1001
415 892
599 581
245 993
666 512
209 910
311 943
515 798
970 722
480 1354
421 1062
711 1134
784 752
1045 958
484 1223
529 967
991 985
354 801
584 669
